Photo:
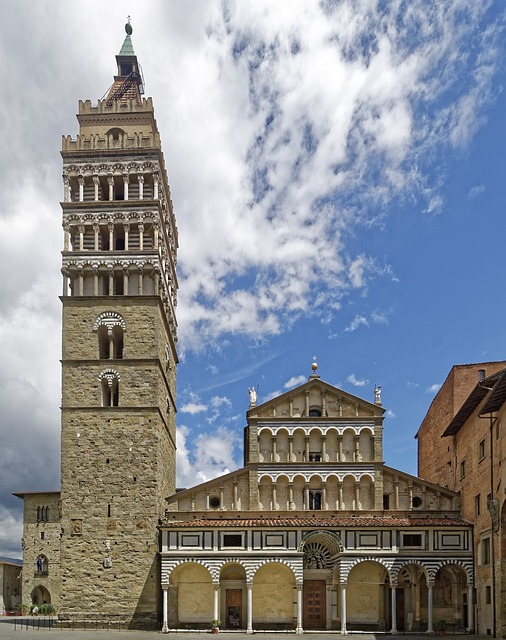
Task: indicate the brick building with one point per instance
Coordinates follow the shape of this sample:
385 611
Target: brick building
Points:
462 446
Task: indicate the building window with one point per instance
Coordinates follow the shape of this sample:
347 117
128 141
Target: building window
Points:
232 540
417 502
110 388
488 595
315 500
481 449
110 327
315 456
214 502
477 505
386 501
412 540
485 551
315 413
42 514
462 469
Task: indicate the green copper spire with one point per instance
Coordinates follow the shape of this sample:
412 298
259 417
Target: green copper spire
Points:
127 49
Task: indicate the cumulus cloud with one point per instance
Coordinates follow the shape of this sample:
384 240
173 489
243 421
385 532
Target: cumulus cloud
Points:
476 191
193 407
434 388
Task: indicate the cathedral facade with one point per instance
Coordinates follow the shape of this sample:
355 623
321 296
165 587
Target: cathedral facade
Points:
314 532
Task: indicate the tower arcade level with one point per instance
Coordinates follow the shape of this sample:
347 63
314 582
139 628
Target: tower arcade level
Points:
119 353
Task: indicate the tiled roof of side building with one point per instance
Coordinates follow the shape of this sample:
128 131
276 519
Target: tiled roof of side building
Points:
314 522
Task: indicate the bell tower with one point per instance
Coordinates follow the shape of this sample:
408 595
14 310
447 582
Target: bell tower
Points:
118 355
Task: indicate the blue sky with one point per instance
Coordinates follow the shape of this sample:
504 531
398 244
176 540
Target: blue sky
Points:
337 176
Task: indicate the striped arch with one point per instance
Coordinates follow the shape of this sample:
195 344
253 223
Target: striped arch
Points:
110 319
168 570
251 571
377 560
329 539
401 564
466 565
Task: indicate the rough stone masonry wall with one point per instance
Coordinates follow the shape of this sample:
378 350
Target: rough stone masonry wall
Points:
41 538
118 463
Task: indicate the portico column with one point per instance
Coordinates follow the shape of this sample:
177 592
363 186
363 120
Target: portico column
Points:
324 449
430 625
299 629
324 505
125 281
81 282
95 281
66 189
216 607
274 497
165 626
307 403
126 227
393 631
306 496
80 228
470 616
249 628
343 608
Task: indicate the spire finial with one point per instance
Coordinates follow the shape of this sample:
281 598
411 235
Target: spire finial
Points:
314 367
128 27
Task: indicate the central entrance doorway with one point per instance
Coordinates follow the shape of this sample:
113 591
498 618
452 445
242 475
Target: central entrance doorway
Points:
314 604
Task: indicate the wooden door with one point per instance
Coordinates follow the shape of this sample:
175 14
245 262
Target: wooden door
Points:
234 609
314 604
399 605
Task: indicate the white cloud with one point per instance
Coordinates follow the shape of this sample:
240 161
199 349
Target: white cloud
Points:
475 191
358 321
213 455
294 382
434 388
193 408
356 382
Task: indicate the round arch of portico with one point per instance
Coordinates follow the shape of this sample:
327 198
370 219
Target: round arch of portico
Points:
252 570
401 564
345 571
465 565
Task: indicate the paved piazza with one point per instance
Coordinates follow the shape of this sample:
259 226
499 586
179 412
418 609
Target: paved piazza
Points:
31 628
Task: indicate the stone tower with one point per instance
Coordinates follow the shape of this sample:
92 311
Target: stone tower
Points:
119 354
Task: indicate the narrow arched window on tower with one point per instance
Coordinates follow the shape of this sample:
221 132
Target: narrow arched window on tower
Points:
109 381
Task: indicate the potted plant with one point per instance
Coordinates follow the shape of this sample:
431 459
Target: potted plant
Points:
441 625
215 625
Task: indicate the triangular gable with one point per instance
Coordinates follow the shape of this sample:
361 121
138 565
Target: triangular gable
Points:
316 394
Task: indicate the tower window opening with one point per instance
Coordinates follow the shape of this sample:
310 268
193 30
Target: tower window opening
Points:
110 391
108 510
